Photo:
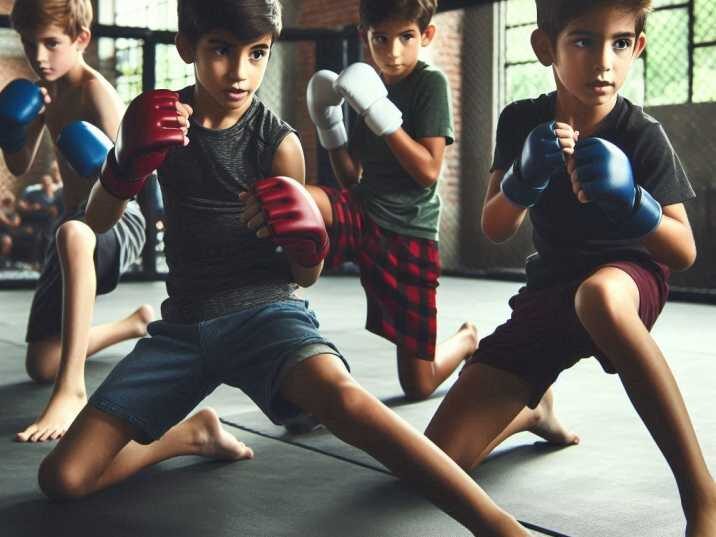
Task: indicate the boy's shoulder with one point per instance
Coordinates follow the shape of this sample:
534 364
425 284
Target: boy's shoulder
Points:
633 118
425 73
543 104
92 99
519 117
95 88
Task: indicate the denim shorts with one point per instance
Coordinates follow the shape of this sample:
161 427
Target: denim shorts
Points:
170 372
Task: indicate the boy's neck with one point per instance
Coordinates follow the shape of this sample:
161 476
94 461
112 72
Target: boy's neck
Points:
210 115
72 78
583 118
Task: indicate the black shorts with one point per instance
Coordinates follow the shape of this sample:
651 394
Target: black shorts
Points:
46 311
544 336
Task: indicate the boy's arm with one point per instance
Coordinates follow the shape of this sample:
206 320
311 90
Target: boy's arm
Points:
346 167
422 158
289 162
325 109
103 209
105 109
501 218
155 121
672 243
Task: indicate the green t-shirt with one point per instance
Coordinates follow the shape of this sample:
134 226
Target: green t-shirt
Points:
391 197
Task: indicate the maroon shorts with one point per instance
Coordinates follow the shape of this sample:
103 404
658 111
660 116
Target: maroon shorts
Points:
544 336
399 275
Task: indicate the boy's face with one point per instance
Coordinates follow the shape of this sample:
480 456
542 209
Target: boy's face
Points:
593 54
395 45
230 71
51 52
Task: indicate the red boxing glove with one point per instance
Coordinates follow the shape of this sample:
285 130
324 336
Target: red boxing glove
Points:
150 127
294 219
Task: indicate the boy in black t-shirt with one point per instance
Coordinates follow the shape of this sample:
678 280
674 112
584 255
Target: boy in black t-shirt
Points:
605 193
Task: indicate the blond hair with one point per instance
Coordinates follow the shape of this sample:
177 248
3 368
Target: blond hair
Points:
72 16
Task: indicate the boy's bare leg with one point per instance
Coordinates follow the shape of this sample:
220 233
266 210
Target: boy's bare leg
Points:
484 407
98 451
420 378
541 421
321 386
607 304
42 360
75 245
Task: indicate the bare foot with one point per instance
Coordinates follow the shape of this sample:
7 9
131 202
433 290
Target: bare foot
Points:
468 333
211 440
60 412
702 523
140 318
548 426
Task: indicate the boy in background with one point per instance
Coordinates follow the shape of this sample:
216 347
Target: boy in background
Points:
79 264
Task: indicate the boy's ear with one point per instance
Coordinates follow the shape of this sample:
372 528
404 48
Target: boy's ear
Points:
542 45
185 47
640 45
363 33
428 35
83 39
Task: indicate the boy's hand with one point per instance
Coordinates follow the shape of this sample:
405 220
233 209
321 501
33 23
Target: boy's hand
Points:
185 111
361 86
324 107
21 101
153 124
602 173
281 208
543 152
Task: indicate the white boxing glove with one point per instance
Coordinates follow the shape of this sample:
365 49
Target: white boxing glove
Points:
324 107
365 92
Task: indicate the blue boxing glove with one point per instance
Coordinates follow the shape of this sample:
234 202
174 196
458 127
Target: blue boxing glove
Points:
529 175
605 175
85 147
20 103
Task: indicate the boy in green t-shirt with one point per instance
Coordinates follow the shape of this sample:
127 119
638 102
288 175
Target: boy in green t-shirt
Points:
385 217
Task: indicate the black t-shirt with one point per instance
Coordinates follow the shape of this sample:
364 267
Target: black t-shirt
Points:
217 265
572 238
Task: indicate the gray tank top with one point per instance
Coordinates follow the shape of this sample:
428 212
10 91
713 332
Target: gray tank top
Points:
216 264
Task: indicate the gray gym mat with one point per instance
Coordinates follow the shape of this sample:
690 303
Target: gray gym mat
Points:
614 484
284 491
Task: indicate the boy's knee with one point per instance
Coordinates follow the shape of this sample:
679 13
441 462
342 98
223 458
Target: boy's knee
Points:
75 234
60 481
39 370
42 360
348 403
323 202
416 389
600 298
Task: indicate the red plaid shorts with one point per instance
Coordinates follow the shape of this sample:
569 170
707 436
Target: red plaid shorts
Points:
399 275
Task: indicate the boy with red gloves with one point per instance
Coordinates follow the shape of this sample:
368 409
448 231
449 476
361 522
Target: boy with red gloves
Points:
241 232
